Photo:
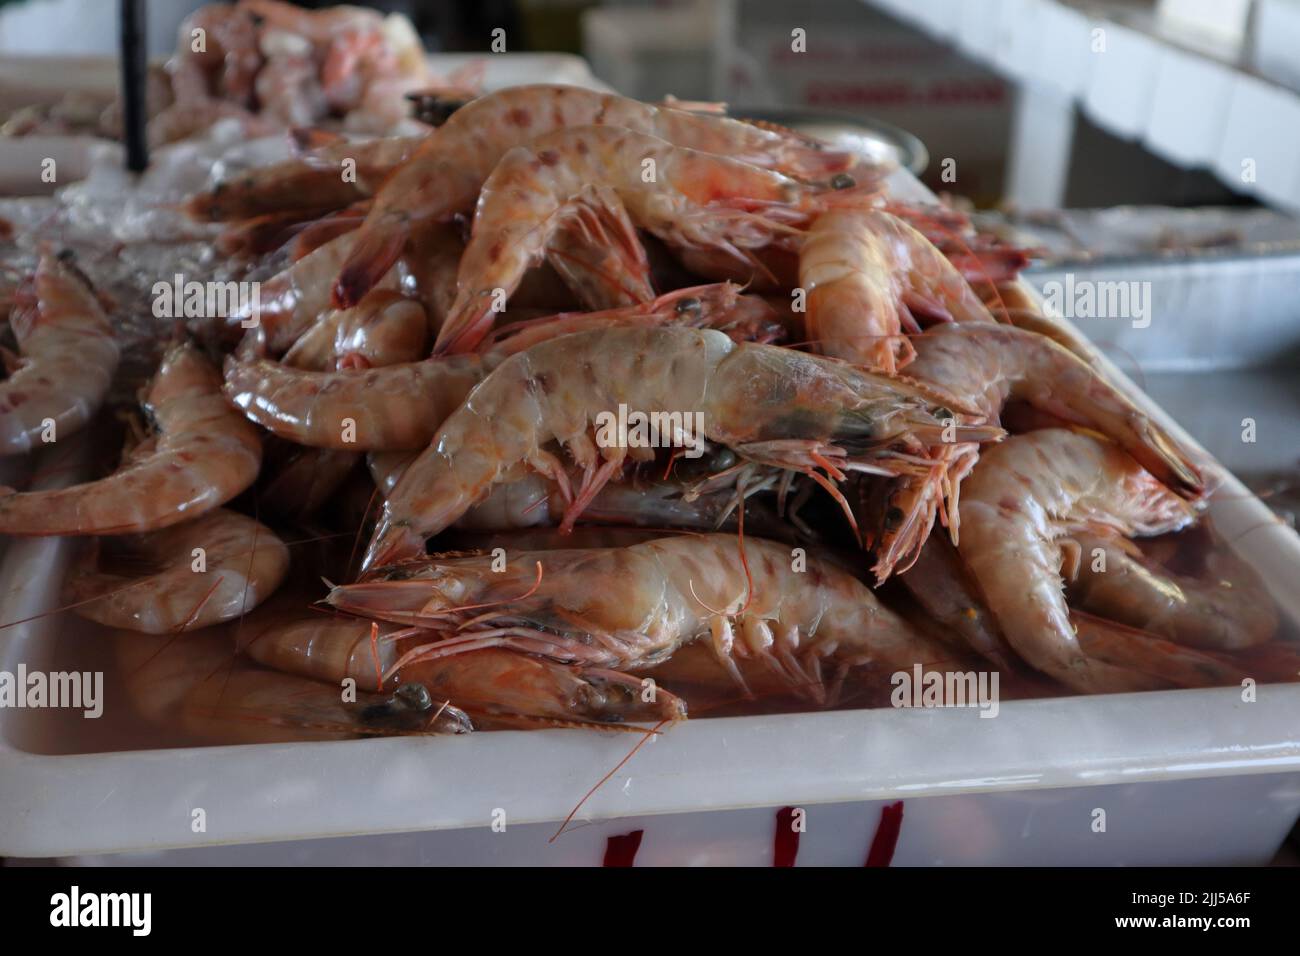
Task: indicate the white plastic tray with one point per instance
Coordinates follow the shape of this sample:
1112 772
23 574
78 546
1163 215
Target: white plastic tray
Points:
1182 776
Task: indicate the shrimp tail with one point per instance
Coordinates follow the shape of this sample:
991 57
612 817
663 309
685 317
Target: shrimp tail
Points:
1171 464
467 335
392 543
374 253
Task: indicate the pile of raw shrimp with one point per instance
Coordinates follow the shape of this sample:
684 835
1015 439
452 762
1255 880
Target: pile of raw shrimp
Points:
581 411
267 64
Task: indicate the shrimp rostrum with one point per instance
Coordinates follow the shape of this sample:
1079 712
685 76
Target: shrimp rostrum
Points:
772 406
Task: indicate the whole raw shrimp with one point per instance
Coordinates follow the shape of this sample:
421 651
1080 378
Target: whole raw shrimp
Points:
688 198
401 405
1142 660
985 366
631 608
1023 497
866 273
495 687
770 405
1223 607
444 177
194 684
67 357
202 572
204 453
312 180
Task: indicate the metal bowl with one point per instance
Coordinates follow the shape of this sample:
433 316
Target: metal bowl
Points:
875 139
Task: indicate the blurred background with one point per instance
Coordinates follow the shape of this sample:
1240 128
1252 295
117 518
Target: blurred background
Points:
998 85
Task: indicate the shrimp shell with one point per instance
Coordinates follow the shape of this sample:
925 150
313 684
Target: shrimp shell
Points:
68 359
1225 607
243 563
1025 495
204 453
393 407
866 273
444 177
631 608
688 198
769 404
496 687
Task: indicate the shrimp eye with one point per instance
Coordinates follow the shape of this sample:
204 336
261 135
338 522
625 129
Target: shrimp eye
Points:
407 709
688 305
843 181
414 696
893 519
942 413
724 459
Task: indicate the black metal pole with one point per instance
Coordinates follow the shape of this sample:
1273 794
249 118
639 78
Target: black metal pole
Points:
135 64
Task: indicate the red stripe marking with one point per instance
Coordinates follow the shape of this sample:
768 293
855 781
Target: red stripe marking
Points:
621 850
886 838
786 846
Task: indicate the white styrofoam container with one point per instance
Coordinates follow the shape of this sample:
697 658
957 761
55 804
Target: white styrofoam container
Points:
1176 776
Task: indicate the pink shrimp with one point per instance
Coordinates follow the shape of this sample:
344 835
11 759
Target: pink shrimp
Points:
494 687
1023 497
67 357
986 366
771 405
653 598
604 174
866 273
212 569
444 177
204 453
